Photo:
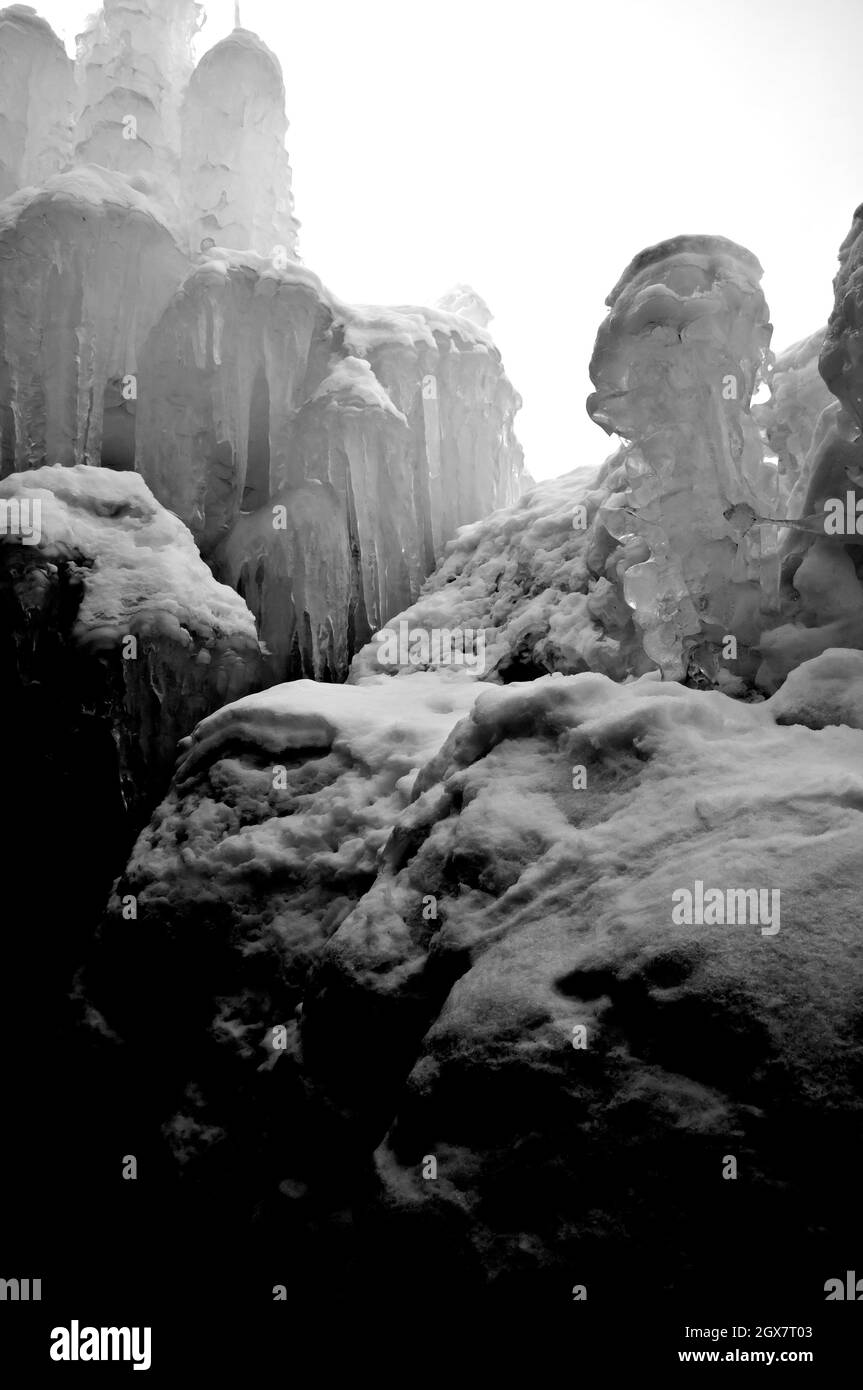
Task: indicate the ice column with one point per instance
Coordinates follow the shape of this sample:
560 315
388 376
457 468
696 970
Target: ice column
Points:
134 61
674 365
37 100
236 172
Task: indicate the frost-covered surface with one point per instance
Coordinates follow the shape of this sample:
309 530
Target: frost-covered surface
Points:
506 907
107 563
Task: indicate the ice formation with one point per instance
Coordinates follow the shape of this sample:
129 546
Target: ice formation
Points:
133 63
87 264
155 316
236 176
789 417
821 595
37 100
716 518
675 365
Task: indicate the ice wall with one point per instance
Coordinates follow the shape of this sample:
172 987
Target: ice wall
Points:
674 366
37 100
236 175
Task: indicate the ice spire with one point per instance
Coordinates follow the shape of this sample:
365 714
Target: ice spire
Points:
674 366
236 175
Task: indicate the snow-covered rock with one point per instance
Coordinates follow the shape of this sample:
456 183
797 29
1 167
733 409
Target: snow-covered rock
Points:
403 961
111 610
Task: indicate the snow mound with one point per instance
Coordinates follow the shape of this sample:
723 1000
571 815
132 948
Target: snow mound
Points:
825 690
141 569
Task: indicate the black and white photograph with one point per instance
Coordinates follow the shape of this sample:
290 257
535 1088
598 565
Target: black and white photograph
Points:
431 662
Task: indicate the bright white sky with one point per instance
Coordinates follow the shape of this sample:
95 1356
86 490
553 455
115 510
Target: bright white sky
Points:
532 147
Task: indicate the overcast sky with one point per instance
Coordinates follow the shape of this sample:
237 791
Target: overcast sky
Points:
532 148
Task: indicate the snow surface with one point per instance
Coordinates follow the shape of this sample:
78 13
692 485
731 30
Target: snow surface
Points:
142 571
353 378
87 185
